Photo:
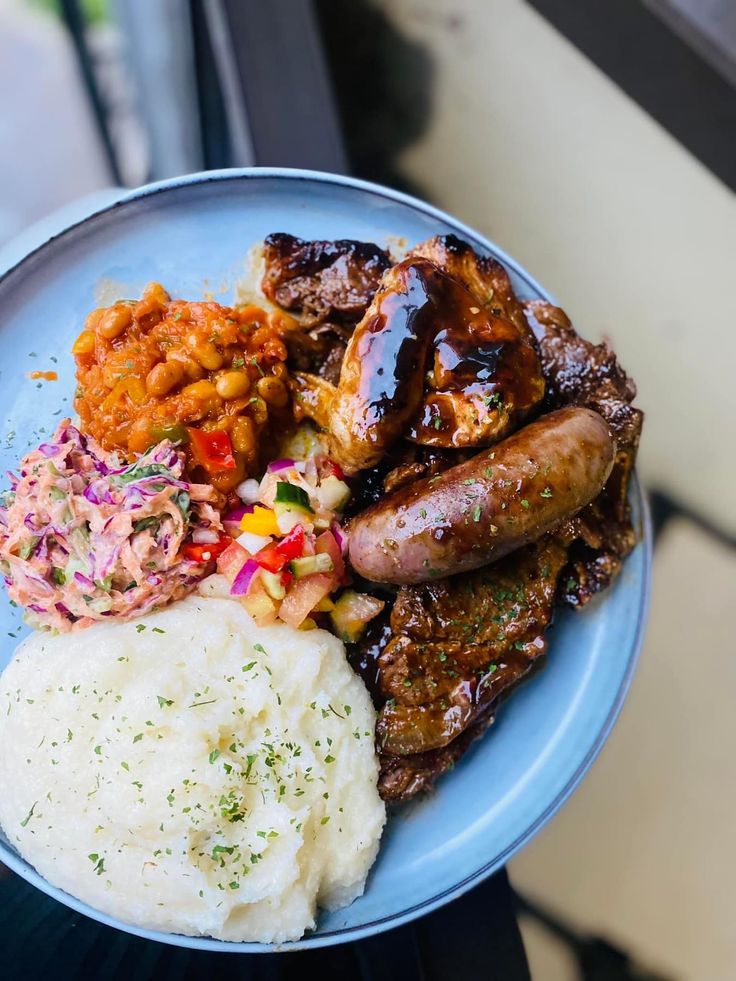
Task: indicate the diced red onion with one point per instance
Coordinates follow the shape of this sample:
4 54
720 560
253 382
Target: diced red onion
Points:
244 578
49 449
231 520
340 537
249 491
237 513
277 465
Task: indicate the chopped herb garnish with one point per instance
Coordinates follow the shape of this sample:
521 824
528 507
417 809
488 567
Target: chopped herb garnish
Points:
29 815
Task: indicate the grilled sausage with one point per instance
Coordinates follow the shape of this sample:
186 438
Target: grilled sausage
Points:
485 508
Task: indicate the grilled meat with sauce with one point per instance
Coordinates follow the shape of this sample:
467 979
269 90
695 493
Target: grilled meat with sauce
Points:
438 664
322 281
480 510
457 644
483 276
578 372
427 362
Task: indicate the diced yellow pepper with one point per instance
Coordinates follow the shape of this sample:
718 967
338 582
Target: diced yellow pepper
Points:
307 624
324 606
131 386
260 521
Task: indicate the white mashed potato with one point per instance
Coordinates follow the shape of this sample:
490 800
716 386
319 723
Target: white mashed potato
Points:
191 772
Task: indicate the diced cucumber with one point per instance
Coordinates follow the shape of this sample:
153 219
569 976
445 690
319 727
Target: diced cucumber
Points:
288 516
272 584
333 493
352 613
307 565
292 495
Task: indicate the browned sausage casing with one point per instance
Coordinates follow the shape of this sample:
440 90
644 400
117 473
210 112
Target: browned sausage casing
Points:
485 508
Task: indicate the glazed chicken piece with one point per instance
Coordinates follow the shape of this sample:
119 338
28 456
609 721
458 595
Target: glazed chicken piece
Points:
483 276
428 362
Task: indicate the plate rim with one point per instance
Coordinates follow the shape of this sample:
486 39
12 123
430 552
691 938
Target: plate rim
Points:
23 868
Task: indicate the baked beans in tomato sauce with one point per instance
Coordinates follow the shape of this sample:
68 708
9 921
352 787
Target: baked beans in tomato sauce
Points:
159 368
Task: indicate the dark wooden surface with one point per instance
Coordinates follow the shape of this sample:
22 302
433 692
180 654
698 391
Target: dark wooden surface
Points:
475 938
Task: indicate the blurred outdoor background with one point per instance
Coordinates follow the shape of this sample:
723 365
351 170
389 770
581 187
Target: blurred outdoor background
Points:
595 142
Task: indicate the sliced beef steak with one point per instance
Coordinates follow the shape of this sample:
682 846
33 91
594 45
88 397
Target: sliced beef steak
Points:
403 777
458 644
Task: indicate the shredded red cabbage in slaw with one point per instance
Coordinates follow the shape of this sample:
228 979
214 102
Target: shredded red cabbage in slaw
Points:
84 537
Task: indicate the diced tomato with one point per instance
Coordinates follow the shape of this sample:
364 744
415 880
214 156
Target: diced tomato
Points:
232 560
304 595
291 546
207 552
275 557
212 450
328 468
328 543
269 558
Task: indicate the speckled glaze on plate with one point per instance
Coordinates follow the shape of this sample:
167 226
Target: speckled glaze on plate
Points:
193 235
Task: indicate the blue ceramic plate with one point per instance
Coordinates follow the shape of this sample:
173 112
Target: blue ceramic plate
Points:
193 235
